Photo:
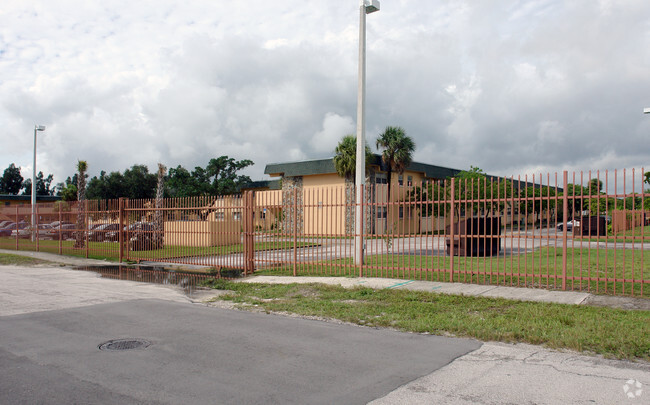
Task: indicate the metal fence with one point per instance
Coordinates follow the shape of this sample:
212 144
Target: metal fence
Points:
584 231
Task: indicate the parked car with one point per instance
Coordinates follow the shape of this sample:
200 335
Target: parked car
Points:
55 224
569 225
100 233
41 231
5 223
65 231
13 226
142 236
5 232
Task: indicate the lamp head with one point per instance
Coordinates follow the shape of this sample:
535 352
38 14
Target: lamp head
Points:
371 6
40 127
646 110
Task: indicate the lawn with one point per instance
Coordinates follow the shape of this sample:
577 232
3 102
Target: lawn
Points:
598 271
581 328
110 250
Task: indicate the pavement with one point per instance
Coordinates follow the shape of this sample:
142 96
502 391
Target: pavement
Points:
54 318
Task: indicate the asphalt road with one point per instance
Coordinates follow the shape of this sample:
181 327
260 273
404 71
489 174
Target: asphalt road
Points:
198 354
52 321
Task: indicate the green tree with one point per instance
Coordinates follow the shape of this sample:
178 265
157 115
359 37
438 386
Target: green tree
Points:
397 151
42 185
80 240
345 157
536 200
223 174
11 181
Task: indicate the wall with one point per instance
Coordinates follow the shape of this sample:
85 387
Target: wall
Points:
202 233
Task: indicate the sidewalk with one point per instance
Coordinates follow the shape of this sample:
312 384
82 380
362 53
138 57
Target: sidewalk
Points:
513 293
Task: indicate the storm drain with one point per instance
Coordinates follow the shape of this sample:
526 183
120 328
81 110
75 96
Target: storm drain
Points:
124 344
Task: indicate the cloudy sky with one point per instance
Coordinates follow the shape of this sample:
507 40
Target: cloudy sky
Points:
513 87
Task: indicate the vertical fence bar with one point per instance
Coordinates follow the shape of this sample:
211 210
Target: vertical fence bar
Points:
60 230
565 208
452 240
295 231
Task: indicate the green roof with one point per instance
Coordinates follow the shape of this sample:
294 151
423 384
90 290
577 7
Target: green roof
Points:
11 197
326 166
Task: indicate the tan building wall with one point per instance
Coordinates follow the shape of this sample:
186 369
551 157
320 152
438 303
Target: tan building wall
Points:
324 199
202 233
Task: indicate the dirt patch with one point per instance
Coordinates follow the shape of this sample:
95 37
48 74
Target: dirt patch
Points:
630 303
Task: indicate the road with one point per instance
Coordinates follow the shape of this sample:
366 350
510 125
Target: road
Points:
53 320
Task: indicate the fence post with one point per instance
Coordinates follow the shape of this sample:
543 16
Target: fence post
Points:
60 230
120 232
86 225
295 231
17 247
451 231
36 225
360 249
565 208
249 239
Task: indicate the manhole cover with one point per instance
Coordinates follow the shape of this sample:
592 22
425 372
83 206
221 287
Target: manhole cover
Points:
124 344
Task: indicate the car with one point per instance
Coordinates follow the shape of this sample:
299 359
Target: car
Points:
99 233
65 231
41 231
569 225
55 224
5 223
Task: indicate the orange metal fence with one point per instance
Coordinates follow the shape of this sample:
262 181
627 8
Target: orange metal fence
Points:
548 231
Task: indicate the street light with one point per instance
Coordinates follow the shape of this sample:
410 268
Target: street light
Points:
646 110
36 129
366 7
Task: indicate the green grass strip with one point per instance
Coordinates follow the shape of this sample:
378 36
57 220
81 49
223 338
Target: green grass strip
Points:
609 332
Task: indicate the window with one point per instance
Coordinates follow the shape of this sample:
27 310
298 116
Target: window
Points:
401 212
409 180
381 212
400 180
236 216
381 179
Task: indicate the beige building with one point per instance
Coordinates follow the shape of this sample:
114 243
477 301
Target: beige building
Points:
314 199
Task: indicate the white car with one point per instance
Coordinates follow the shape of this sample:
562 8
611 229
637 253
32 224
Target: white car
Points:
41 232
569 225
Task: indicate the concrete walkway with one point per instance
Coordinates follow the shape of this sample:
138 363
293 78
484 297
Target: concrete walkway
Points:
514 293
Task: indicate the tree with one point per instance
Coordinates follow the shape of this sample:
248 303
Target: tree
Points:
345 157
397 151
470 186
42 185
219 177
158 222
80 241
222 172
536 200
11 181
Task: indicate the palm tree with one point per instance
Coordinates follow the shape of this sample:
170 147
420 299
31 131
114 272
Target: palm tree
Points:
345 158
158 215
80 240
397 151
345 162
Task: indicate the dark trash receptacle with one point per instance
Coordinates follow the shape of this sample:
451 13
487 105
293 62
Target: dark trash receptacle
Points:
593 226
476 236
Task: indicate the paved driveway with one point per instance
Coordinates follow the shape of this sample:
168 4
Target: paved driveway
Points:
198 355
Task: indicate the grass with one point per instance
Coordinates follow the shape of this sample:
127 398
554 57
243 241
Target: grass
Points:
606 331
110 250
637 235
18 260
541 268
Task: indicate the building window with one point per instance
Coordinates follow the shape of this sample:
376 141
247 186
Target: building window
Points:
401 212
381 212
236 216
409 181
400 180
381 179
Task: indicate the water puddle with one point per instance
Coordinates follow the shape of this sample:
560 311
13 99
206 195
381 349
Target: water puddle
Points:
189 282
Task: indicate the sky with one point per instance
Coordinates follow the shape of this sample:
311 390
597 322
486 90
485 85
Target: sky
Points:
512 87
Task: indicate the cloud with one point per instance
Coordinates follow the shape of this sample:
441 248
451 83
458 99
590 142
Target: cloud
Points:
507 86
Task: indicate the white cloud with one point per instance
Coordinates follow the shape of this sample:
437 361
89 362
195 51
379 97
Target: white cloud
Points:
507 86
334 128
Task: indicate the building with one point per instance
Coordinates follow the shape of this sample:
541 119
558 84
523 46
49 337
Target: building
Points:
322 202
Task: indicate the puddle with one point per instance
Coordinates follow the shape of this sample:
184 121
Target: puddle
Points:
189 282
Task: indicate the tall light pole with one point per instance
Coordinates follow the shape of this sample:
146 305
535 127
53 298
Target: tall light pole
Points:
646 110
36 129
366 7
